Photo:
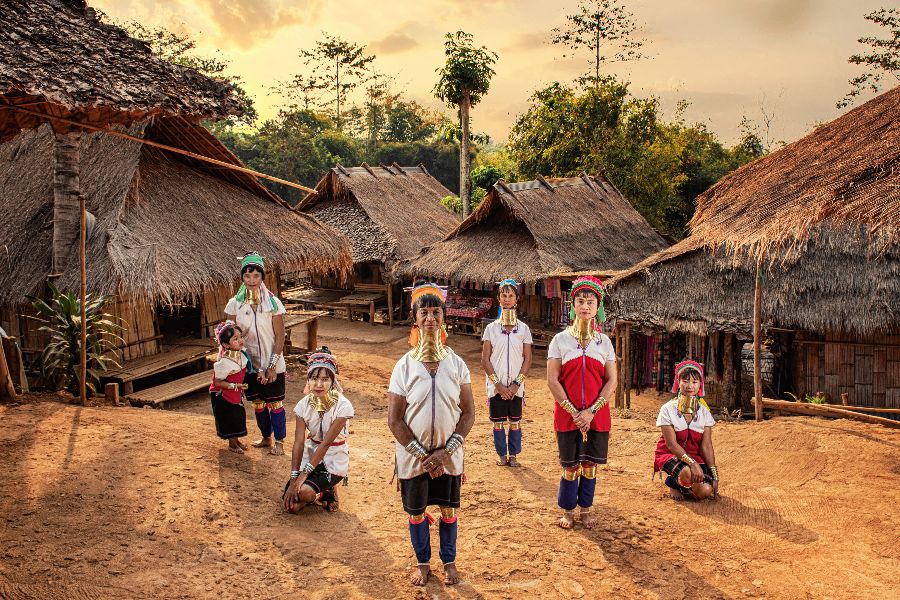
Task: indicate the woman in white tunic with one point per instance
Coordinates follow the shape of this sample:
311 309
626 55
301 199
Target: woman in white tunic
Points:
430 412
320 458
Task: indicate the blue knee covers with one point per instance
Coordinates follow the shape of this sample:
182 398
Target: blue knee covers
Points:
515 441
500 441
447 530
420 536
568 492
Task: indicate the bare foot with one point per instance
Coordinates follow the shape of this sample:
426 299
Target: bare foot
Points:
265 442
277 449
502 461
513 462
235 448
676 495
451 575
420 576
567 520
587 520
240 444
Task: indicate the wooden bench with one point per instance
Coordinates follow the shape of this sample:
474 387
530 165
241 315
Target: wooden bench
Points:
169 391
302 330
174 355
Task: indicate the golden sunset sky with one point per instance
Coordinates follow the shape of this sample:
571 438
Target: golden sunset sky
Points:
726 57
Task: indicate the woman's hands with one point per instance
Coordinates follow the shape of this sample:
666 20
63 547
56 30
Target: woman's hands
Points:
267 376
293 493
434 462
697 474
507 392
583 419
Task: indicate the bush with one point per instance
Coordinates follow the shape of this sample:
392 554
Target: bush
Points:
60 359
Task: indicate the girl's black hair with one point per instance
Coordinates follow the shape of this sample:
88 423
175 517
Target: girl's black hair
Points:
690 372
584 294
427 301
252 268
508 286
316 372
227 333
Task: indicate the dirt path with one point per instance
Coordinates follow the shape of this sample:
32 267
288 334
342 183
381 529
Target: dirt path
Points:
125 503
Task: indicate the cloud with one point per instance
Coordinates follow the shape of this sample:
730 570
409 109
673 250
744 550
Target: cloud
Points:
394 43
244 23
524 42
776 16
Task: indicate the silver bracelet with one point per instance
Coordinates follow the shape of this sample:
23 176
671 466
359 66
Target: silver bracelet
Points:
454 443
273 360
308 468
416 448
295 474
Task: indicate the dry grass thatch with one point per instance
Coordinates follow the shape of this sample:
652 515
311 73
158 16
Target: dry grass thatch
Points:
166 228
538 229
57 58
822 215
845 173
829 283
388 212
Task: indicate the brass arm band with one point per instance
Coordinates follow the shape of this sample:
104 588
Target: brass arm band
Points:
493 378
520 378
600 403
685 458
568 407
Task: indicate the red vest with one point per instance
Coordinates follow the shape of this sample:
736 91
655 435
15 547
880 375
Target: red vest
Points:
687 439
582 378
233 396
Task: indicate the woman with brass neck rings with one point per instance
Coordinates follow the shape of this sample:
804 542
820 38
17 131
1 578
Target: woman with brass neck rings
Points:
430 412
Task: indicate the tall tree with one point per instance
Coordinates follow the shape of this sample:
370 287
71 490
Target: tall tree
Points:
340 66
605 28
464 79
881 60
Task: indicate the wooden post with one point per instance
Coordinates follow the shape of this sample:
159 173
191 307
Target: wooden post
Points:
390 300
111 391
82 385
628 366
845 398
728 398
757 343
620 370
312 335
6 383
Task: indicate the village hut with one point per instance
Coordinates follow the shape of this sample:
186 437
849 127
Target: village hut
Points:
166 234
388 213
820 218
542 233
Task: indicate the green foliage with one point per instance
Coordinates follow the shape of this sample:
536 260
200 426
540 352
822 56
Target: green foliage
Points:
659 166
61 318
880 60
452 203
179 48
485 177
498 158
467 70
606 29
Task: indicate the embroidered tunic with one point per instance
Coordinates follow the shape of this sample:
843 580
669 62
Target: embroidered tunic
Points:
582 376
337 457
507 353
688 436
432 408
229 370
259 333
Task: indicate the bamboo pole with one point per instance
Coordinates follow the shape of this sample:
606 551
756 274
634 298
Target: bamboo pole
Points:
821 410
187 153
757 342
629 368
82 385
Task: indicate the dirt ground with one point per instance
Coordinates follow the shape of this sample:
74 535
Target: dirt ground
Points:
124 503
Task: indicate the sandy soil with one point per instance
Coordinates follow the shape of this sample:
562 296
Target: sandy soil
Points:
123 503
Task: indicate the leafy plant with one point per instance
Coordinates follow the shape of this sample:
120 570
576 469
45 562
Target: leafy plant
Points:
61 318
817 398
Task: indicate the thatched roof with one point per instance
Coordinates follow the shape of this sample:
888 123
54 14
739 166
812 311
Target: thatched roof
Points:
166 227
822 213
388 212
844 173
57 58
539 229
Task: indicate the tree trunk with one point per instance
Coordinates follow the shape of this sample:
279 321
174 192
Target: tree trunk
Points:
464 179
66 189
337 85
82 296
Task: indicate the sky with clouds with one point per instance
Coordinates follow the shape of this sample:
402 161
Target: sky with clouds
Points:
726 57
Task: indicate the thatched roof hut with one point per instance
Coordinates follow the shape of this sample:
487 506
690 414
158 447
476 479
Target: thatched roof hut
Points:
57 58
167 227
822 218
388 213
540 229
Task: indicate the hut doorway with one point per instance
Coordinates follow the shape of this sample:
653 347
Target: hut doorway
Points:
178 322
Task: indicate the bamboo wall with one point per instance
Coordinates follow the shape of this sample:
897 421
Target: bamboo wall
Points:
867 368
139 327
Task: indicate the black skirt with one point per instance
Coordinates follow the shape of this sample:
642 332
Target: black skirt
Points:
421 492
231 419
573 450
